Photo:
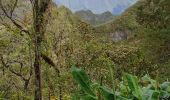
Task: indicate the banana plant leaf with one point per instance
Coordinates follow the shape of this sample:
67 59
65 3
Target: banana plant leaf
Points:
82 79
133 85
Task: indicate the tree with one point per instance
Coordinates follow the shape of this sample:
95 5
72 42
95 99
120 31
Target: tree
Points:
40 12
154 13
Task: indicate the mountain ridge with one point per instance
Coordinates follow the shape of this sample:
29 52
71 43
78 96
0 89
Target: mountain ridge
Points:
97 6
94 19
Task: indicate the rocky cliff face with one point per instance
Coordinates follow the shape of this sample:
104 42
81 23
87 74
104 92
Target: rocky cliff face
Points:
119 36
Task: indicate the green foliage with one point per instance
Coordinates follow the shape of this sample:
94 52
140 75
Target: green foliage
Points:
133 85
154 13
148 89
70 41
126 21
83 79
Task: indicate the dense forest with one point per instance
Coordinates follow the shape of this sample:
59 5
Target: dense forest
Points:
47 52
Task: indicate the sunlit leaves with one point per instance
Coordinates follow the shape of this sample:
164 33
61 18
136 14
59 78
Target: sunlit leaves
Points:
132 88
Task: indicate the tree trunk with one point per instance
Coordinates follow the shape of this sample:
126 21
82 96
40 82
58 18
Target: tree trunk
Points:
37 62
37 49
37 72
40 18
40 13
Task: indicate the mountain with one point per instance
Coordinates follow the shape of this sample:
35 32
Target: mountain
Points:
94 19
148 26
96 12
97 6
126 21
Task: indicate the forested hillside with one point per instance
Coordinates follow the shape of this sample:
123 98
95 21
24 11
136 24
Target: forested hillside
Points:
94 19
44 49
147 24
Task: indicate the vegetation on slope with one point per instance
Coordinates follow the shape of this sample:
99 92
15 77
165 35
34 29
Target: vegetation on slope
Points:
69 41
148 22
94 19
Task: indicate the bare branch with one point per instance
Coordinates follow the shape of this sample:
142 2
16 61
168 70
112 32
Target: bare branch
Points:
18 74
50 62
11 17
13 8
14 72
3 62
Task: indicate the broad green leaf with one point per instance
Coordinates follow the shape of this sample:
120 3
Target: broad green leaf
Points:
147 78
165 86
88 97
133 85
122 98
164 94
107 94
82 79
123 89
150 95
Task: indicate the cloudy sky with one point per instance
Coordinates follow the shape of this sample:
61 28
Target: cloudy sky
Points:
97 6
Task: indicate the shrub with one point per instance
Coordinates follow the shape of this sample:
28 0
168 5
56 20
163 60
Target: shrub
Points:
130 88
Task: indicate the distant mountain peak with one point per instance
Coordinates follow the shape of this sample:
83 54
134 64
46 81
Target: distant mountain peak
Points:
84 11
94 19
97 6
107 13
